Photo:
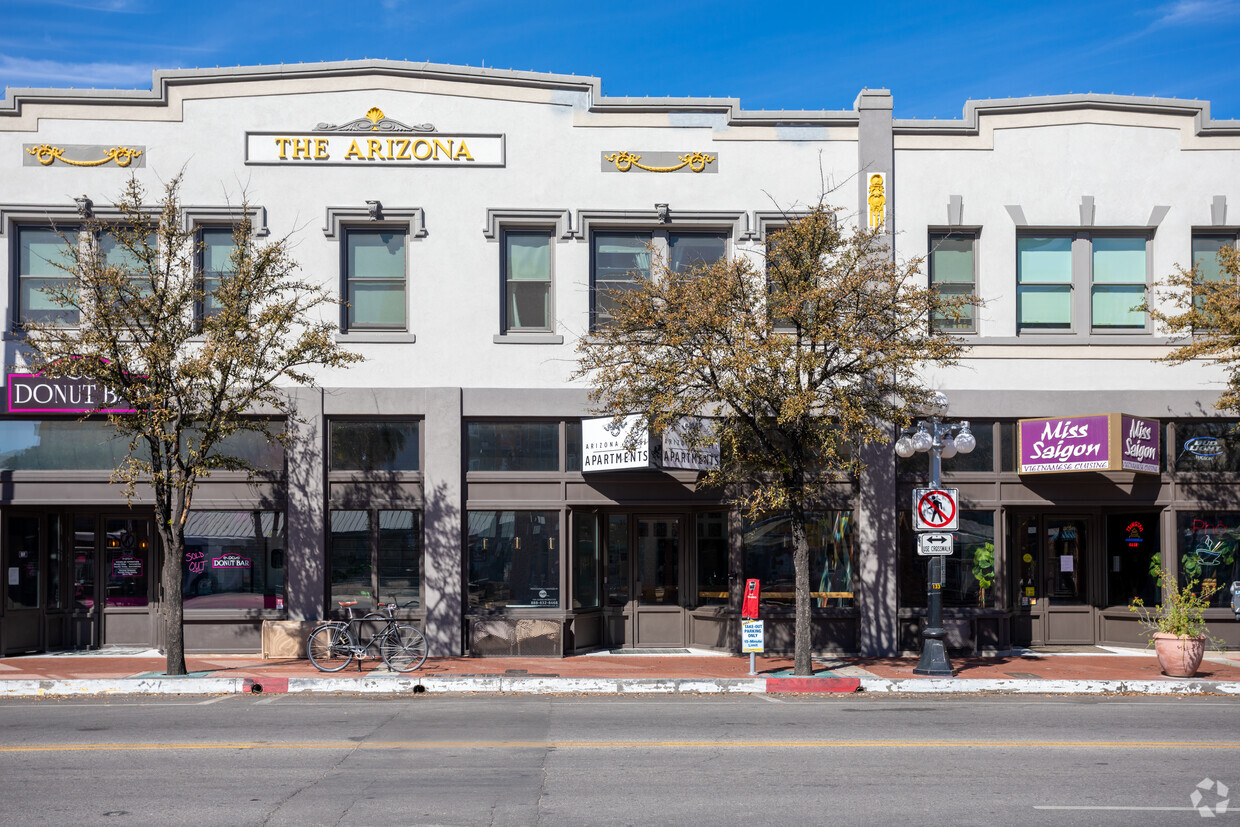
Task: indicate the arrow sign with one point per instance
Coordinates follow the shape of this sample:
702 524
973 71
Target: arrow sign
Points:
935 545
934 509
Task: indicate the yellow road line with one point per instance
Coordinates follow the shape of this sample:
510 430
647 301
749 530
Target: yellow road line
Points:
442 745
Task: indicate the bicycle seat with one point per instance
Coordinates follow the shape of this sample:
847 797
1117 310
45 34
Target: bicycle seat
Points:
345 603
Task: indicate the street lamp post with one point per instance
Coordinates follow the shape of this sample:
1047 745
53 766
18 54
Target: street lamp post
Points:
942 441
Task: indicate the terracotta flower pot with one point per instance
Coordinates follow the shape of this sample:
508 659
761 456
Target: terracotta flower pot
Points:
1179 655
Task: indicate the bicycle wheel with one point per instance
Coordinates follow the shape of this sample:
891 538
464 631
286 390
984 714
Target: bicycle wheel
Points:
330 648
403 649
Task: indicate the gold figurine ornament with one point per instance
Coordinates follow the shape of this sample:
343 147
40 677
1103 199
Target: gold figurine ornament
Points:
877 200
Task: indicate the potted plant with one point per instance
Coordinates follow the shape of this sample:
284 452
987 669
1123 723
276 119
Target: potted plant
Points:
1176 626
983 570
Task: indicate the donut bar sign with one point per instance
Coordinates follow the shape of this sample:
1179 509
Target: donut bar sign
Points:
35 393
1096 442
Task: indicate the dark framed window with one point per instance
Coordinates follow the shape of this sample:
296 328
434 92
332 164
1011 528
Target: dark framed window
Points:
375 275
1207 445
1208 551
712 559
1044 283
686 251
513 446
527 271
376 556
514 559
953 273
832 558
43 253
618 261
377 445
234 560
216 246
969 575
585 566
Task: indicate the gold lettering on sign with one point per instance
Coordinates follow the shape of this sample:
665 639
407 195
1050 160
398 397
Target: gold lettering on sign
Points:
462 150
695 161
320 149
48 154
353 152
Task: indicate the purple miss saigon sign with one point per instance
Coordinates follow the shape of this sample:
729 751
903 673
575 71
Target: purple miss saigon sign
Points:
1097 442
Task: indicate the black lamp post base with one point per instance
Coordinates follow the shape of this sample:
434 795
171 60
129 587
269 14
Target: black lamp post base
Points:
934 660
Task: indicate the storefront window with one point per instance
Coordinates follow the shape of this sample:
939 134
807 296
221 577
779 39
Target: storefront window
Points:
374 446
712 559
514 559
54 539
1207 446
1208 545
83 562
969 572
585 562
60 445
1132 550
127 555
349 547
572 450
513 446
376 556
22 577
832 558
980 459
234 560
616 581
400 558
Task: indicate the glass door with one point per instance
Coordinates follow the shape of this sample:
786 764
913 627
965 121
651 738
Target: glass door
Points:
1052 570
658 618
24 574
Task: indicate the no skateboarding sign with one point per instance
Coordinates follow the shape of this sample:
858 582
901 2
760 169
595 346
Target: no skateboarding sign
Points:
934 509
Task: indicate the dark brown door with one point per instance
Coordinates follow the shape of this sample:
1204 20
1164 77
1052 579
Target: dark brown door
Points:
1052 567
24 566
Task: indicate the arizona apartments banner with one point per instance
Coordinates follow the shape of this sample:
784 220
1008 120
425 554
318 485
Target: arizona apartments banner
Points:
1097 442
604 445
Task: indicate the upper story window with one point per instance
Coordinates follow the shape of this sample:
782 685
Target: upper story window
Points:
42 253
216 246
953 273
375 279
374 445
1044 283
1119 275
620 260
1062 280
527 281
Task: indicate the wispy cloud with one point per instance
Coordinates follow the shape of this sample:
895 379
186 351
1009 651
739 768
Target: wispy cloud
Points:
20 71
1195 12
116 6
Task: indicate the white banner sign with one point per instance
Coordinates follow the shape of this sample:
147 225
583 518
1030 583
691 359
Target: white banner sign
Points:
680 454
752 637
603 444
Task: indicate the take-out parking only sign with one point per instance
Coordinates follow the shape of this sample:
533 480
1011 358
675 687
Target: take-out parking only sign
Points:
934 509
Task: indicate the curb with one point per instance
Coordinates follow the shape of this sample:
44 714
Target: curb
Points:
509 685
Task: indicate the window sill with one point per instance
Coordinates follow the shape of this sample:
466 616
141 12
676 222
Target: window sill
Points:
375 337
527 339
1061 338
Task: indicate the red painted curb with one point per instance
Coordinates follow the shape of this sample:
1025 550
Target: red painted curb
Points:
813 684
266 686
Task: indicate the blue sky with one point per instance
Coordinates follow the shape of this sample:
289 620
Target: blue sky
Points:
787 55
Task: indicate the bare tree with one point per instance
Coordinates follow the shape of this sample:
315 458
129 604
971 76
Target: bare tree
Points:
801 364
196 359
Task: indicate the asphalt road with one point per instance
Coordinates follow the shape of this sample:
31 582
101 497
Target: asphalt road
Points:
284 759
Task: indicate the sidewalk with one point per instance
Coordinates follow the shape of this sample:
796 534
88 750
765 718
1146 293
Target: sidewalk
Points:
1087 670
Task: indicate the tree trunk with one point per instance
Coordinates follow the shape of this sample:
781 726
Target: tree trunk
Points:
802 662
172 537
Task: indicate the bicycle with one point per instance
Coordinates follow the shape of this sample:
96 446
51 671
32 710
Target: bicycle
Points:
332 645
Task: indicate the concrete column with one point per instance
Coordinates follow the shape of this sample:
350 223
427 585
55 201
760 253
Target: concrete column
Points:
876 535
305 559
443 532
875 507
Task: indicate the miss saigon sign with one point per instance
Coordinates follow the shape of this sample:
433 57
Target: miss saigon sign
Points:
374 140
1098 442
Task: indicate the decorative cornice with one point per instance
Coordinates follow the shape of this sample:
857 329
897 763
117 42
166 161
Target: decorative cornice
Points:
497 218
414 218
374 121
